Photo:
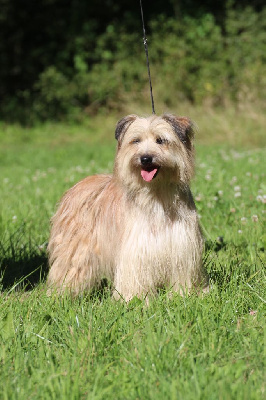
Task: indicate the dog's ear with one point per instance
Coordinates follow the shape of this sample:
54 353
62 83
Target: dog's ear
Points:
182 126
123 125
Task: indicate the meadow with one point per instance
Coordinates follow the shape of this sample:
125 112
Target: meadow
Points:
91 347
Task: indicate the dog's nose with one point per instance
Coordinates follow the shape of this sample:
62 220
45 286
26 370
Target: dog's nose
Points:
146 160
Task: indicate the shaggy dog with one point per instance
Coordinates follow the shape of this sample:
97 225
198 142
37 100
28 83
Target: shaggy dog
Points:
138 227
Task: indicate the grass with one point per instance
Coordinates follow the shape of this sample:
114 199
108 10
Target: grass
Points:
94 348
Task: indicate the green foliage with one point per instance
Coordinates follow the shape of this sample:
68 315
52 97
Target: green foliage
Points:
192 60
246 57
197 58
56 94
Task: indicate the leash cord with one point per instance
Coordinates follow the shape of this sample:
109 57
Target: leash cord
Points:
147 57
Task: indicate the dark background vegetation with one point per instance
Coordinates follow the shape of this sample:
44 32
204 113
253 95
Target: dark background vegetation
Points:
65 58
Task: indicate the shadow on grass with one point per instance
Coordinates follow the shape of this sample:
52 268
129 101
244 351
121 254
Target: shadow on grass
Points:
23 273
226 262
23 264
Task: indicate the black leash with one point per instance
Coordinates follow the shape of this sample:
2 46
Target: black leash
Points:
147 57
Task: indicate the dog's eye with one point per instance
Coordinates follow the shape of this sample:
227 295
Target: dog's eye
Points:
135 141
160 140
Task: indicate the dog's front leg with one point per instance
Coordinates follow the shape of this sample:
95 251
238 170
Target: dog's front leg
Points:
130 281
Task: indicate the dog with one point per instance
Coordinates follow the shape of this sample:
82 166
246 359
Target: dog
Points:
138 228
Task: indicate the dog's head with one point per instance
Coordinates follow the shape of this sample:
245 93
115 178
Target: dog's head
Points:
155 149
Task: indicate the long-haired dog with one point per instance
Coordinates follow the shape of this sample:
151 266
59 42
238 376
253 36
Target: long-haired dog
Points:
138 227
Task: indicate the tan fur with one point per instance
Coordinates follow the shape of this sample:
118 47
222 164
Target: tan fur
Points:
139 235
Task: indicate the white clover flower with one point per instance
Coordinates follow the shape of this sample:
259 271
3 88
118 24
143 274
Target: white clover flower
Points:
233 180
51 170
255 218
238 194
237 155
198 197
225 157
237 188
244 220
220 192
239 231
79 169
261 198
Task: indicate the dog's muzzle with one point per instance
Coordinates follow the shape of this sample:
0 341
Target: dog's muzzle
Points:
149 170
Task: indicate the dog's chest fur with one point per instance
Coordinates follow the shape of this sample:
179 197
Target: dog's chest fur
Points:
155 234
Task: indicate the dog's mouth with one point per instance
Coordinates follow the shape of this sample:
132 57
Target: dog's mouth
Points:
149 173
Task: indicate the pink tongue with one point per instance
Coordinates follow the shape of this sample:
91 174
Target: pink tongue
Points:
148 175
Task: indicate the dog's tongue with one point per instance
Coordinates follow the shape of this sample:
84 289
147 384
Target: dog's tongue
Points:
148 175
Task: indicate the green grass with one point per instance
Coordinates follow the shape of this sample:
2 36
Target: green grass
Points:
95 348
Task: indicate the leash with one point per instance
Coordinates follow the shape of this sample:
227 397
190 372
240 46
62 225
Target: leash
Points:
147 57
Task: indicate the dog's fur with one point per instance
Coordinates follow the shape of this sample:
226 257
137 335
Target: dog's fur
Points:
138 227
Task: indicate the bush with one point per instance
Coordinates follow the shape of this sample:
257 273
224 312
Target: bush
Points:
55 94
245 43
192 59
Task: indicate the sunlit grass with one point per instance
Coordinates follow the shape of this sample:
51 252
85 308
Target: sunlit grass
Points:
95 348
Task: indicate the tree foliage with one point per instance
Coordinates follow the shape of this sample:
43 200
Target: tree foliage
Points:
61 56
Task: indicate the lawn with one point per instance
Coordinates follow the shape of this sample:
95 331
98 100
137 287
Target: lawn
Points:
92 347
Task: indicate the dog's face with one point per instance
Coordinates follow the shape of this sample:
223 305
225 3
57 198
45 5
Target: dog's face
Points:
154 150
